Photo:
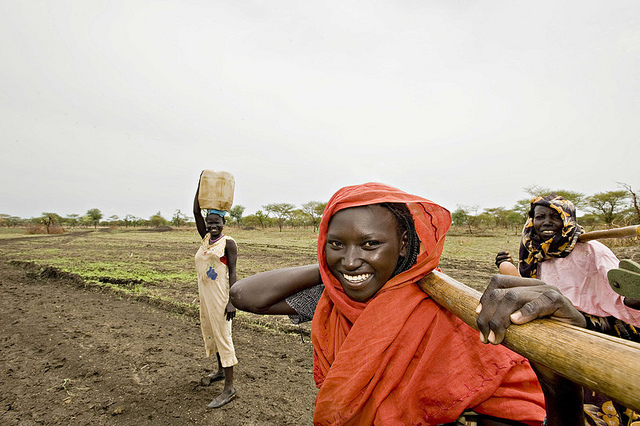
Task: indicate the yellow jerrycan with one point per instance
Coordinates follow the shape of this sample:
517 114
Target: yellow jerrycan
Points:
216 190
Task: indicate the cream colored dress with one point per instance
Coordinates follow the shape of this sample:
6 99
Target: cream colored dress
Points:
213 289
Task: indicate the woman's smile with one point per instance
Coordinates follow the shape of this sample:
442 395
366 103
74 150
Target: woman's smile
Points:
356 279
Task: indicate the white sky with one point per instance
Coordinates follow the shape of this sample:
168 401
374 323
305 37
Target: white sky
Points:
119 105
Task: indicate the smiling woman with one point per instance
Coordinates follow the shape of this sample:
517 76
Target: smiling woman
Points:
216 270
384 352
551 251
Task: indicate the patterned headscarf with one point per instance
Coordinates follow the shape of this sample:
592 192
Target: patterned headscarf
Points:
534 249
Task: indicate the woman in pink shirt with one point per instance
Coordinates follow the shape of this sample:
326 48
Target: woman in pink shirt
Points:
551 252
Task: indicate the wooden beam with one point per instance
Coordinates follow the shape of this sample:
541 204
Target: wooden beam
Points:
625 232
597 361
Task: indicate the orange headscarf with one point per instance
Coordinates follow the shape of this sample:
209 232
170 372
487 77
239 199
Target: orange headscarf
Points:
399 358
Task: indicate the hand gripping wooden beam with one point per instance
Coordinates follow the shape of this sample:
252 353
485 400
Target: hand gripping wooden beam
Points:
599 362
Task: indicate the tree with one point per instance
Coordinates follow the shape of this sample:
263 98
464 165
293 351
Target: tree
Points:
459 216
634 199
514 219
499 215
49 220
254 220
281 211
128 220
314 210
608 204
157 220
465 213
262 218
236 213
94 216
9 221
486 219
113 220
298 218
178 219
577 198
522 208
72 219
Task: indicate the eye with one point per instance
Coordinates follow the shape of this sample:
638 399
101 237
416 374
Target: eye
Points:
370 245
334 244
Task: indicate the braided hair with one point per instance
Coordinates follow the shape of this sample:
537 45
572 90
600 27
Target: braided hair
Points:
404 221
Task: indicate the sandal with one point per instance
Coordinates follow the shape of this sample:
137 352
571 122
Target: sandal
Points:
208 379
214 404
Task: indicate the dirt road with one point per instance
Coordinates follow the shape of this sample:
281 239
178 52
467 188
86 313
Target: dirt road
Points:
75 356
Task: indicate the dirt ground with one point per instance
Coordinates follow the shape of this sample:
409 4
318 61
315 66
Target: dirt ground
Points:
76 355
105 360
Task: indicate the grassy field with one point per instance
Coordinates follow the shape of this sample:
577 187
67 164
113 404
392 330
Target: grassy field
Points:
160 265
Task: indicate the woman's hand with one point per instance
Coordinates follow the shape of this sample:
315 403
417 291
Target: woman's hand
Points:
503 256
515 300
230 311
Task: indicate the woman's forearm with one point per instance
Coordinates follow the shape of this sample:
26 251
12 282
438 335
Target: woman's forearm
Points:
264 293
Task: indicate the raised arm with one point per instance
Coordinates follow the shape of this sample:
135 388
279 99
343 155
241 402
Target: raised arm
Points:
265 293
197 214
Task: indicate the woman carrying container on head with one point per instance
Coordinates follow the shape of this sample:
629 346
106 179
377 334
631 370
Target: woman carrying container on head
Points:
216 271
384 352
551 252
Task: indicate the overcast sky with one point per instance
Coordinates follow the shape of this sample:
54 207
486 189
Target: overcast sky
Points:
119 105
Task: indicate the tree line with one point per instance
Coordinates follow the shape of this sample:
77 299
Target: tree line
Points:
611 208
275 214
54 223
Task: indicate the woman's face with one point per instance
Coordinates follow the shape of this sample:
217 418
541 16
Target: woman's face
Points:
214 225
362 249
546 222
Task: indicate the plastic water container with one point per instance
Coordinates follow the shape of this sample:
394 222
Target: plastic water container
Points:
216 190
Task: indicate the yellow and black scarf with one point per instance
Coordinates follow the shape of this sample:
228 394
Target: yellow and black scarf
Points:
533 249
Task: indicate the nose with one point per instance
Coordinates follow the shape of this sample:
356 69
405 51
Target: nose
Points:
351 259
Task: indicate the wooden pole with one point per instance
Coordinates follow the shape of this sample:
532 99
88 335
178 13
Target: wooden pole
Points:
627 231
599 362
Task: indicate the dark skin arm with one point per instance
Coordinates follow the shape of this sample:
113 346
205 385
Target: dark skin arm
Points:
197 214
265 293
231 252
515 300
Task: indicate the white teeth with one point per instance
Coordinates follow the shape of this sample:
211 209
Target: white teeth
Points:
356 278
